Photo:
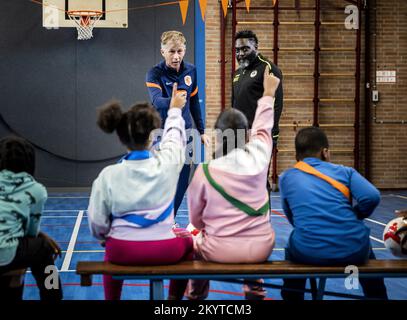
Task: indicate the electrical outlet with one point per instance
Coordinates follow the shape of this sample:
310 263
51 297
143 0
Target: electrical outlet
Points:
375 95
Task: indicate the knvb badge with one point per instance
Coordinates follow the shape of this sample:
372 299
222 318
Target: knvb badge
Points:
188 80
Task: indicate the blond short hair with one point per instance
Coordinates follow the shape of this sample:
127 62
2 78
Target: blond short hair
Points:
172 36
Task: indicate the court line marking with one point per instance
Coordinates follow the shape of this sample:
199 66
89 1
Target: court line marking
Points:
64 210
52 225
62 217
71 246
374 221
68 197
398 196
56 217
376 239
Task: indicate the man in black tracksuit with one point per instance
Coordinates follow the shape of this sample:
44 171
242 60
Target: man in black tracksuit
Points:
248 80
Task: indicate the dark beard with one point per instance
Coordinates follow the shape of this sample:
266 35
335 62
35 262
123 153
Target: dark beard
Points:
248 60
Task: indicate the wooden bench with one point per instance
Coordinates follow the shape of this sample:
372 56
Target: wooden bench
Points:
232 272
15 277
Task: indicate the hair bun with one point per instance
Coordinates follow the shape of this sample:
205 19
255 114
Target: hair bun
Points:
110 116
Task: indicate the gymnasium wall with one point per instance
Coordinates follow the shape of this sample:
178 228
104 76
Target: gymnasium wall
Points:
336 117
51 84
389 144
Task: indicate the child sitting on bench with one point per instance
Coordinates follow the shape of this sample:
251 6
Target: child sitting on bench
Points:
316 196
22 199
228 198
131 207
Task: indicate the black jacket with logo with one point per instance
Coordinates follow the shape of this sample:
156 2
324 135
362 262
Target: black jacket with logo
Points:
248 88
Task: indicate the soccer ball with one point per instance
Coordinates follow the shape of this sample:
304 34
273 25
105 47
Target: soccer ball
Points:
395 237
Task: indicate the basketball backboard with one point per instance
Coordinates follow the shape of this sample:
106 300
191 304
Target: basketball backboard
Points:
115 12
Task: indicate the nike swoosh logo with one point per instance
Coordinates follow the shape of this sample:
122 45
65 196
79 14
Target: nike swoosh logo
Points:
168 83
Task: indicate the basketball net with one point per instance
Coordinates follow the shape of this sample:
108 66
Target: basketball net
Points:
85 22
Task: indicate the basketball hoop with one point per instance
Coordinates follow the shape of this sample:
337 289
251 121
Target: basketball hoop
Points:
85 21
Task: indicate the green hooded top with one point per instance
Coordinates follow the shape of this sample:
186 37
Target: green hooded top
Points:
22 201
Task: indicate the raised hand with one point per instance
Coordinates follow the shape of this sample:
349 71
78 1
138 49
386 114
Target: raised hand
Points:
179 98
270 83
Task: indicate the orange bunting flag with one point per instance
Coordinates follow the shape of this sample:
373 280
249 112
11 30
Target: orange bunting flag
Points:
247 5
225 7
202 4
183 5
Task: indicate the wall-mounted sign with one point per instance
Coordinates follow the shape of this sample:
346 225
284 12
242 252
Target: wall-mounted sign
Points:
385 76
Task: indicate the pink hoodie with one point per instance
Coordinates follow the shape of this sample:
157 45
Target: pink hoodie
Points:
230 235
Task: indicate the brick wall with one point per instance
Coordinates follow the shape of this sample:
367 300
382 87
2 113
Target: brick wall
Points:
337 68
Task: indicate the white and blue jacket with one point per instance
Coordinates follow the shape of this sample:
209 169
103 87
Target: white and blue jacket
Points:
142 185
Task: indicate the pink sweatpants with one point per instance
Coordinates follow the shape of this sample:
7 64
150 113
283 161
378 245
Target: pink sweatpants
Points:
159 252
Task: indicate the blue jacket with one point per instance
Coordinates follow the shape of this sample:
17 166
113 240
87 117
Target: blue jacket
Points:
159 81
326 225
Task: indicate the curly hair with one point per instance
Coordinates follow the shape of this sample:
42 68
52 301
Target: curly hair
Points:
17 155
133 127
